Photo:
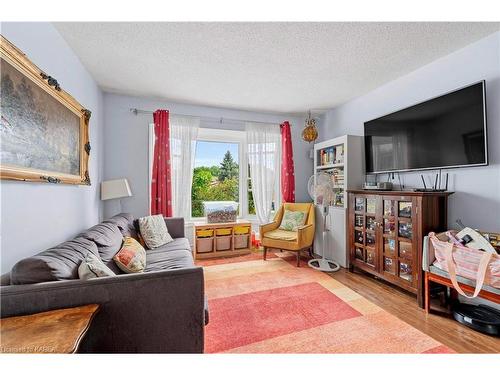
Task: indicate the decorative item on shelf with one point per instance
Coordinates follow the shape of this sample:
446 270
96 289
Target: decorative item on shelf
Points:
115 189
310 133
38 112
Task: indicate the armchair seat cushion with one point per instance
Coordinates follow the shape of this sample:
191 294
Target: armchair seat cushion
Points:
280 234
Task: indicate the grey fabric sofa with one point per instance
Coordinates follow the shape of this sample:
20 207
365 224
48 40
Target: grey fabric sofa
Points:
162 310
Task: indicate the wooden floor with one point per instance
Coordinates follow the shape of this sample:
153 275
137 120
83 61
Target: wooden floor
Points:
403 305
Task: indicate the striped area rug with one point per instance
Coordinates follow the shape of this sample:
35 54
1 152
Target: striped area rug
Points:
272 306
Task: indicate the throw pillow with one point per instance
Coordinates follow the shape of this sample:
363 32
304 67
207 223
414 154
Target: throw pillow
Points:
139 236
93 267
292 220
131 258
154 231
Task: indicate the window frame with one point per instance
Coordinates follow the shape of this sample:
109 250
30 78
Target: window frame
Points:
222 136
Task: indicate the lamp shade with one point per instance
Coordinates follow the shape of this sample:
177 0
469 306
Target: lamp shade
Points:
113 189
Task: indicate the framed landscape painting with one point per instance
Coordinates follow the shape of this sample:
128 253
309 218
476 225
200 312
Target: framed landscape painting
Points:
43 129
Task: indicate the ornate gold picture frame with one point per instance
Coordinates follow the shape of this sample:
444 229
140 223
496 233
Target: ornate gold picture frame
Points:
44 131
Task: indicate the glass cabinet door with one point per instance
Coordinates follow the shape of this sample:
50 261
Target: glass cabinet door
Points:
366 228
389 251
398 238
383 235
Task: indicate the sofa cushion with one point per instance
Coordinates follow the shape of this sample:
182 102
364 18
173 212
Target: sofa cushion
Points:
58 263
168 260
92 267
132 257
176 244
125 223
108 239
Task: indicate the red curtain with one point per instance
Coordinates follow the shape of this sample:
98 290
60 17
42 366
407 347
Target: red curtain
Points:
161 186
287 169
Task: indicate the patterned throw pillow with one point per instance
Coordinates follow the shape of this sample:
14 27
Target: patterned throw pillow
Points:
292 220
154 231
132 257
92 267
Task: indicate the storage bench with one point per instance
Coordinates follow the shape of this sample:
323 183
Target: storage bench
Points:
222 239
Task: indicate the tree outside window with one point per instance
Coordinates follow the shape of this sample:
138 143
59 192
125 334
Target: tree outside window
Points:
216 182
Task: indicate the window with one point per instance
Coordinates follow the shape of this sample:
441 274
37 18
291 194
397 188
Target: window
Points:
217 174
220 171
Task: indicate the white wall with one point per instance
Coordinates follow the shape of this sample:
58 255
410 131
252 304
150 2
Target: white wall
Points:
477 190
126 144
35 216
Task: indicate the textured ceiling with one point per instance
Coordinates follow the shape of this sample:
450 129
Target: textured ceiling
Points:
275 67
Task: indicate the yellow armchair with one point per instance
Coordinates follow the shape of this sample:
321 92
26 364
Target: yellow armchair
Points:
273 237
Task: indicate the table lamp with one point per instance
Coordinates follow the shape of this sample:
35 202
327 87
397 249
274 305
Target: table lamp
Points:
115 189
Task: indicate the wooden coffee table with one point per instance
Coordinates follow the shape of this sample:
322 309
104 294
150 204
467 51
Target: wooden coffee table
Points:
55 331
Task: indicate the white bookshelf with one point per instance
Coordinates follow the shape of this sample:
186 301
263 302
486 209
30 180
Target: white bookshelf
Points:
343 159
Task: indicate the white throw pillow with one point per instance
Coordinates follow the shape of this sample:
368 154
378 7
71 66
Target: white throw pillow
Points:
154 231
93 267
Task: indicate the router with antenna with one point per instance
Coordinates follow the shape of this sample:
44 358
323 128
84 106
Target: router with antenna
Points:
436 187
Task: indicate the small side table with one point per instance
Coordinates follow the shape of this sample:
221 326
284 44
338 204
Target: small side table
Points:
55 331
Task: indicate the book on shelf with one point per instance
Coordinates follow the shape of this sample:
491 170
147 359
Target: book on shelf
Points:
327 156
337 176
339 157
331 155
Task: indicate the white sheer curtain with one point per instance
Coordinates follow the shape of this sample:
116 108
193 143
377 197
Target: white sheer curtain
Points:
183 134
263 146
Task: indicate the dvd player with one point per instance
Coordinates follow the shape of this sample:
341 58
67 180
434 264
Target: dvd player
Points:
378 186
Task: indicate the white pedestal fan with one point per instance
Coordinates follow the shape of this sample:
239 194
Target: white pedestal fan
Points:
321 190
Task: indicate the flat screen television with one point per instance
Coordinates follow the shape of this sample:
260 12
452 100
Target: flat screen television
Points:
448 131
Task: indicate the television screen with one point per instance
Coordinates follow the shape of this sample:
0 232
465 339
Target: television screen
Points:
444 132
